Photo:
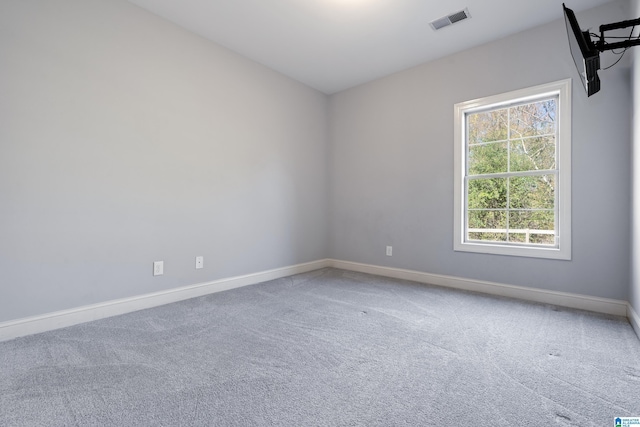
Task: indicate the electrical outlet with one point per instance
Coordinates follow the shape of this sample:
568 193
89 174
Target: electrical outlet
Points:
199 262
389 250
158 268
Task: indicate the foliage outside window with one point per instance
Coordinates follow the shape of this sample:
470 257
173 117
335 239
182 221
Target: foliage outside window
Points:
513 173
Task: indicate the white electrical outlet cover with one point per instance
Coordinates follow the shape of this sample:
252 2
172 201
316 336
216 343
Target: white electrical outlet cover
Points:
158 268
199 262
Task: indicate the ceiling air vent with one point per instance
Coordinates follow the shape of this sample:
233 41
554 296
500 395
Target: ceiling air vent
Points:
450 19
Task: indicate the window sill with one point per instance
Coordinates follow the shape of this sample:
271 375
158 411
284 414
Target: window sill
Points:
520 251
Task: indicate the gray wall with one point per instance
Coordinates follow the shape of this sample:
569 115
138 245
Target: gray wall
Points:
125 139
391 164
634 294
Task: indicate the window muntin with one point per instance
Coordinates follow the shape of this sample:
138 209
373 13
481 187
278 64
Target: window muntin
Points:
513 173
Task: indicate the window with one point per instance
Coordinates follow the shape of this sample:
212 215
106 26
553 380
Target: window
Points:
513 173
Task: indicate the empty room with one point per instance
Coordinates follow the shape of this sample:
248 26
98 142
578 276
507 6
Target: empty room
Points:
319 213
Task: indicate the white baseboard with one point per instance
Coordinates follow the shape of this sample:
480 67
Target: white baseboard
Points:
582 302
634 319
64 318
60 319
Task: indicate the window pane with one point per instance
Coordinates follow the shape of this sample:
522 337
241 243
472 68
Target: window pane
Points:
532 192
487 225
533 238
488 158
488 237
532 220
538 118
542 239
487 193
535 227
488 126
532 154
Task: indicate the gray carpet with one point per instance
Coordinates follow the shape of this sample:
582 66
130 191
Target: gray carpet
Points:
328 348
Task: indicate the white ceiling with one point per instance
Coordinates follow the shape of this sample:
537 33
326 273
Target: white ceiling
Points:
332 45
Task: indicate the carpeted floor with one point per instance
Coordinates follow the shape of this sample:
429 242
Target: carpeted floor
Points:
328 348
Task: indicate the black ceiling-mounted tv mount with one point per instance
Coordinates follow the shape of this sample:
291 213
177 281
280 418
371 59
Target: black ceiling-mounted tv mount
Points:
586 53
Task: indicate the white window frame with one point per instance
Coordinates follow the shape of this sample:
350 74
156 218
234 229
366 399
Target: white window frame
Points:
562 249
